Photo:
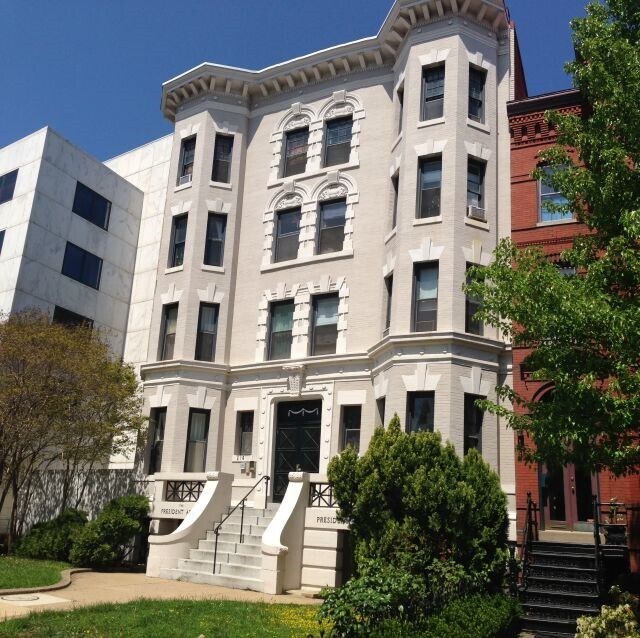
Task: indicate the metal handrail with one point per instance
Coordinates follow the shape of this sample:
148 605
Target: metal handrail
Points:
596 538
241 504
530 534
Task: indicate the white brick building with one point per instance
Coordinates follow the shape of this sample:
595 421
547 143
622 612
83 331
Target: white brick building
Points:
291 268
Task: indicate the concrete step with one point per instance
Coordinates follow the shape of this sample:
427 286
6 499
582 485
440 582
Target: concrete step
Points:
255 549
228 537
249 519
254 560
234 528
221 580
206 566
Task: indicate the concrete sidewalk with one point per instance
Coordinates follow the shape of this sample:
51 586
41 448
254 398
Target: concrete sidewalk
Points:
91 588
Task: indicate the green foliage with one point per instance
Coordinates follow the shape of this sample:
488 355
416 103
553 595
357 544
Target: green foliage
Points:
474 617
52 540
584 328
19 573
618 619
381 593
101 542
413 502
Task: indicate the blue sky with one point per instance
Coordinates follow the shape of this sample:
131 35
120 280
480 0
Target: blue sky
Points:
93 69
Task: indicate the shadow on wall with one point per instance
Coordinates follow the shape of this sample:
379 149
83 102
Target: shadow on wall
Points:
101 486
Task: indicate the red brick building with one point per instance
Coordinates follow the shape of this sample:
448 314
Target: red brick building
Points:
564 494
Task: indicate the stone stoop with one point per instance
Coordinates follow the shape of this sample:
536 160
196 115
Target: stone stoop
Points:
562 584
239 564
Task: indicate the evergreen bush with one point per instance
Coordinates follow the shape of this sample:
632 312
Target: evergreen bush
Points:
53 539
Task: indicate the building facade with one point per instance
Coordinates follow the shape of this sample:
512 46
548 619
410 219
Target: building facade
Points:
564 494
295 255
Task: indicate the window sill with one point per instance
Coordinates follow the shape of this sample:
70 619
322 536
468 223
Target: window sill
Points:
343 254
306 175
396 142
433 122
218 269
480 126
223 185
182 187
476 223
391 234
556 222
242 458
168 271
424 221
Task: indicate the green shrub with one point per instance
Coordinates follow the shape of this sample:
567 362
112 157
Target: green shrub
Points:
52 540
618 619
412 501
474 617
380 593
101 543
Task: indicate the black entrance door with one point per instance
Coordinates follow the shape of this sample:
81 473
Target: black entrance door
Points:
297 442
567 497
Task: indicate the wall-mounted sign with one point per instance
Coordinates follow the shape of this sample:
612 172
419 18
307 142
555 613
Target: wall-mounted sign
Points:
322 518
166 509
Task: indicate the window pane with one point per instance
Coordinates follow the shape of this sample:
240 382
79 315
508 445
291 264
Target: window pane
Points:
222 159
389 289
1 240
169 323
157 420
430 182
331 234
287 233
473 417
7 186
214 244
472 305
195 458
433 92
420 406
395 182
82 266
91 206
245 433
295 161
351 418
475 183
281 326
325 325
338 144
69 318
426 298
476 94
550 198
179 236
207 330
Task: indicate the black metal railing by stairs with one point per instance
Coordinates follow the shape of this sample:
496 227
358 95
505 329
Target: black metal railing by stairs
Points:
529 535
241 504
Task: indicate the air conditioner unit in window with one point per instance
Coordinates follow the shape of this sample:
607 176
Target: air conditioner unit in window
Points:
475 212
184 179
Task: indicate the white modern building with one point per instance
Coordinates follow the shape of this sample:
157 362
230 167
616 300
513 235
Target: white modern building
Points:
285 270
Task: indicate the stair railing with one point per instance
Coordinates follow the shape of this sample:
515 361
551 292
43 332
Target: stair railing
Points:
596 544
530 534
241 504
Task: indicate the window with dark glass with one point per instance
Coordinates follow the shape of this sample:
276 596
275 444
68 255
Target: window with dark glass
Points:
222 154
1 240
331 226
91 206
196 453
472 305
287 235
178 240
244 437
325 324
395 183
381 405
295 154
157 421
7 186
473 416
475 183
338 145
214 242
554 206
420 406
207 330
425 317
400 94
168 331
187 156
281 329
68 318
433 92
430 179
477 79
388 285
82 266
351 417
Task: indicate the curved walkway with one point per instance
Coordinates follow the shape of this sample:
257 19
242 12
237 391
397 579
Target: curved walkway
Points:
92 588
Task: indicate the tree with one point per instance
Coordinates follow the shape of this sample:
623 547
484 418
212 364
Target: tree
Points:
412 502
584 328
65 403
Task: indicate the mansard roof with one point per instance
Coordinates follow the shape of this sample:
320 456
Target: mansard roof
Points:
381 50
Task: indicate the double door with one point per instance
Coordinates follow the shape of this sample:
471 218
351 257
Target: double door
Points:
566 496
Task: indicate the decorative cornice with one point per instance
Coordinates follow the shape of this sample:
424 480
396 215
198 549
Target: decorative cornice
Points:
382 50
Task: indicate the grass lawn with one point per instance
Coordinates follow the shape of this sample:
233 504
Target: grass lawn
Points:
169 619
24 572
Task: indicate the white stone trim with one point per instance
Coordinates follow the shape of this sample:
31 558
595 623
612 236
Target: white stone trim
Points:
428 251
351 397
161 398
180 208
389 265
430 147
218 206
171 296
433 57
475 383
298 116
380 385
211 294
475 149
188 131
245 404
202 399
475 254
421 380
477 59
